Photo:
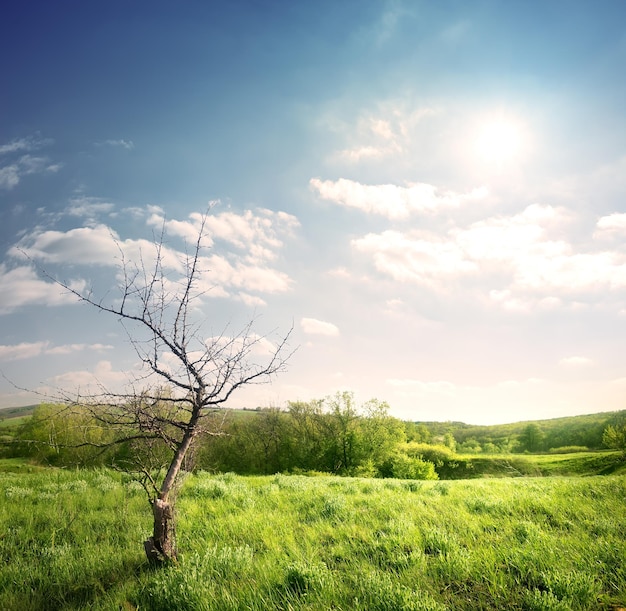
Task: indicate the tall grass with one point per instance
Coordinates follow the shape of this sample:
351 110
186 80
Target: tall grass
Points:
72 540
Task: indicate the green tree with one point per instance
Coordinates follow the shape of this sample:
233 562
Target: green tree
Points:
59 435
470 446
615 437
342 432
532 438
381 432
307 434
417 432
449 441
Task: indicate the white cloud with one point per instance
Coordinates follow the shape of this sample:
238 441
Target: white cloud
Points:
245 268
26 350
576 361
83 245
24 144
512 302
364 152
613 222
21 286
522 261
253 343
88 207
11 175
340 272
98 245
408 257
507 238
126 144
70 348
103 378
392 201
258 231
252 301
386 131
241 274
312 326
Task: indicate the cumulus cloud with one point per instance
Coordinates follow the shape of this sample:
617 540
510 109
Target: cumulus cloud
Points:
517 258
256 237
252 301
613 222
88 382
252 343
312 326
69 348
84 245
242 274
243 267
392 201
257 231
409 257
21 286
26 350
97 245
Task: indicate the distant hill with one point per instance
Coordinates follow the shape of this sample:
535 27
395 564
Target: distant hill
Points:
16 412
585 430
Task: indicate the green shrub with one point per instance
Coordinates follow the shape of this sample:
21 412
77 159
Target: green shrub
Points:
402 466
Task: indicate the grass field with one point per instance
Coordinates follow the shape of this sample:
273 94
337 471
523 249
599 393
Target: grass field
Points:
541 465
72 540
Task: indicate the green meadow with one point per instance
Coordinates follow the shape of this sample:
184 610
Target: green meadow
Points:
72 539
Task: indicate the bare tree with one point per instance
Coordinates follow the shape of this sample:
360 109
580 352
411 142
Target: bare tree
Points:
160 313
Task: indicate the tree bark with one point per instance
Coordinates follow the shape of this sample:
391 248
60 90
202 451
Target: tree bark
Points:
161 547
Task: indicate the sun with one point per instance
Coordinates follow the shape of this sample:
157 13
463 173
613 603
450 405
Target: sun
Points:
499 141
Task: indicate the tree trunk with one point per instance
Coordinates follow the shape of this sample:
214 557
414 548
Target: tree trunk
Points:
161 547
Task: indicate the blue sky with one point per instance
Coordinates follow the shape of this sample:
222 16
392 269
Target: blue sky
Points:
433 194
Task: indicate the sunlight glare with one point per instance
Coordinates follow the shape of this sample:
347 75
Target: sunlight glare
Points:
499 141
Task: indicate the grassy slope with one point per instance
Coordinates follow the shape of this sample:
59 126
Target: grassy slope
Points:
536 465
569 430
7 413
71 540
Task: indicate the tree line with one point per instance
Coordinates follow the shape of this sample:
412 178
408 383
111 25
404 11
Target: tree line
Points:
331 435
